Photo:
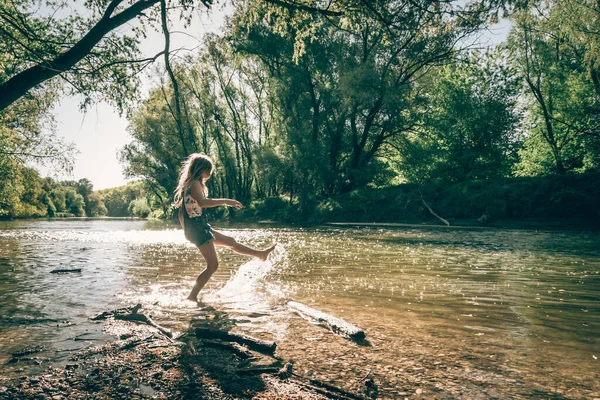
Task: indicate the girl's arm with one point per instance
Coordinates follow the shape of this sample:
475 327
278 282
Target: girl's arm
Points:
198 195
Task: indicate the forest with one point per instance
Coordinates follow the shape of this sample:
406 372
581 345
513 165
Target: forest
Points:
316 111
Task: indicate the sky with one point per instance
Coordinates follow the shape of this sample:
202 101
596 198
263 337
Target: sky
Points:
100 132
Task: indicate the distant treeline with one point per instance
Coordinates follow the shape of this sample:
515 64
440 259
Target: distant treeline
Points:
30 196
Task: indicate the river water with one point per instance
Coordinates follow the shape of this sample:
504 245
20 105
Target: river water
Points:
477 313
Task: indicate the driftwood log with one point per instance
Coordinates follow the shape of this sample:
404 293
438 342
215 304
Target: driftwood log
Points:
262 346
241 351
335 324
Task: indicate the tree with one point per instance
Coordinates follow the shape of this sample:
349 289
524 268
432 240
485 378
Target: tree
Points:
346 88
223 110
579 21
28 134
157 150
139 208
74 202
95 206
469 125
563 103
24 194
117 200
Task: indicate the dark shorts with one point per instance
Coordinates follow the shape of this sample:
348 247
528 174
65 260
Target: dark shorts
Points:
198 231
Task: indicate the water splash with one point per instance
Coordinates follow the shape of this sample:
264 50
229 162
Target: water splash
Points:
245 290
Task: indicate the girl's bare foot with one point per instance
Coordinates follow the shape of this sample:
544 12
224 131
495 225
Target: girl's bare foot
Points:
190 298
265 253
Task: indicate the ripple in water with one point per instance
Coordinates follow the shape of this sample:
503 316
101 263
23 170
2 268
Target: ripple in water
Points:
134 237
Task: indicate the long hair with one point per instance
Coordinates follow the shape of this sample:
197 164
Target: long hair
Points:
191 170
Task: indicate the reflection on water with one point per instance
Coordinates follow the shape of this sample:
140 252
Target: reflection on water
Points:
492 313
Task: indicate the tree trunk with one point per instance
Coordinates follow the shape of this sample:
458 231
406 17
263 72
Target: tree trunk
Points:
176 95
595 80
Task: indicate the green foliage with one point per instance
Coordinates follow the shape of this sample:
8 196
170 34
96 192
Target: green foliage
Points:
223 98
471 202
95 206
21 194
75 202
579 21
561 92
291 103
346 86
272 208
118 200
37 33
139 208
313 115
549 197
469 123
25 195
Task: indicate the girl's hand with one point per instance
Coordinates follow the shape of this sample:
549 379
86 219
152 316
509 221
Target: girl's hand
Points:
234 203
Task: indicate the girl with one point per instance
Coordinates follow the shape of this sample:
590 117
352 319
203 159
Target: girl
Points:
191 197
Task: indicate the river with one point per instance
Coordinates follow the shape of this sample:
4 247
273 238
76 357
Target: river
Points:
448 312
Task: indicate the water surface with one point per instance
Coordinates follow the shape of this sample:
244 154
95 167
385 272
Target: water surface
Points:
448 312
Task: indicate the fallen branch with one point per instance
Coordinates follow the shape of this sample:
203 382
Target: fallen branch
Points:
362 380
335 324
109 314
259 345
335 389
433 212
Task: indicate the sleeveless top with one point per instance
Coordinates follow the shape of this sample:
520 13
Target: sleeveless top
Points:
191 206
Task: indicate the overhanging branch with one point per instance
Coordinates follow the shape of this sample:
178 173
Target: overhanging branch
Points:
303 7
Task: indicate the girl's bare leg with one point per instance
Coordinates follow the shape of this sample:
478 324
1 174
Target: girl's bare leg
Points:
212 263
224 240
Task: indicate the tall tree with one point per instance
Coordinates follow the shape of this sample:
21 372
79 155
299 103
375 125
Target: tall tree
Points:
156 151
564 106
347 82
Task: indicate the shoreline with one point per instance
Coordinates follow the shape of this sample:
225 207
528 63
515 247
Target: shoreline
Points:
468 224
525 224
516 224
